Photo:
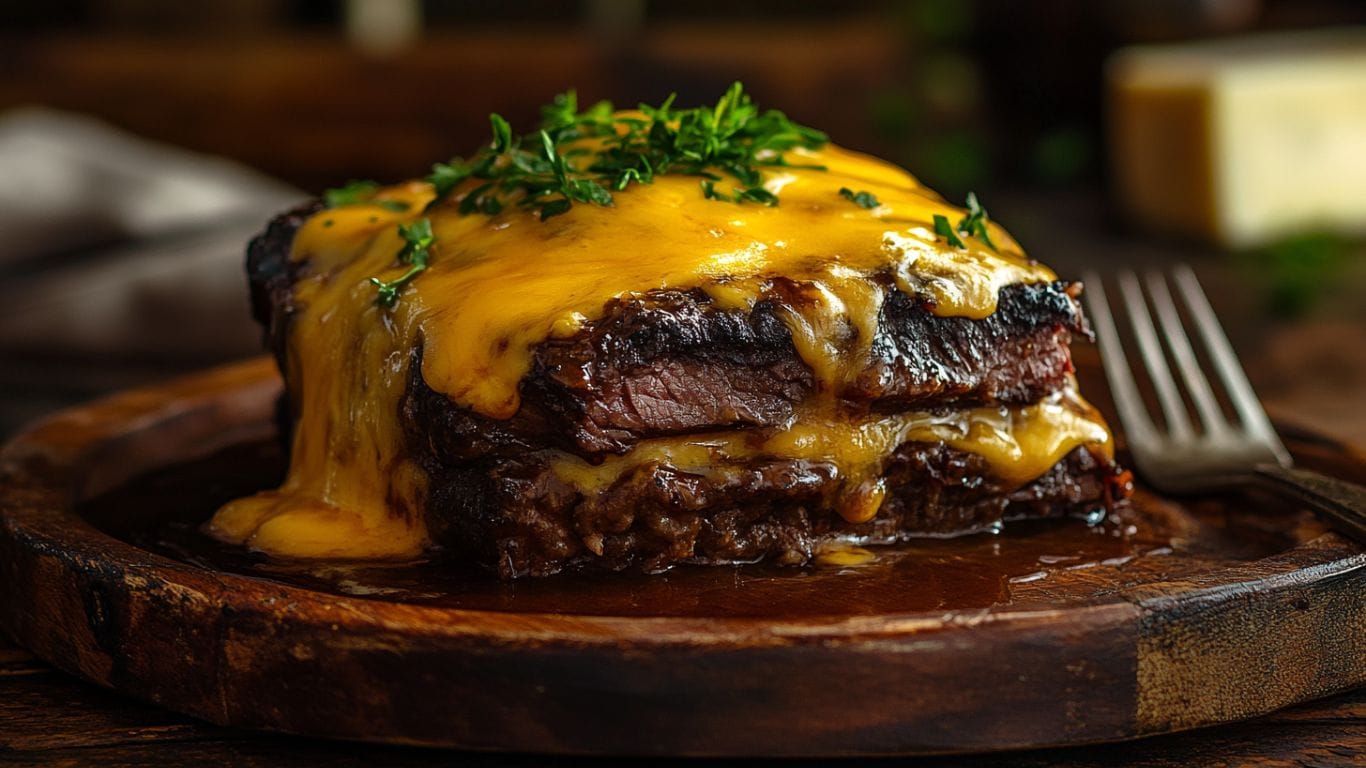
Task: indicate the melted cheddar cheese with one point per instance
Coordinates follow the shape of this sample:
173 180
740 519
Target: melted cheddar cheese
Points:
1020 443
499 285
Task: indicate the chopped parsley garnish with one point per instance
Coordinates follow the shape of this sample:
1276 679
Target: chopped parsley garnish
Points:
584 156
548 172
416 253
944 229
445 176
975 223
353 193
754 194
357 192
862 198
972 225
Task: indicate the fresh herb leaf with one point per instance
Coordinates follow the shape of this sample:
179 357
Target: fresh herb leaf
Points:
587 191
502 133
445 177
739 195
418 239
944 229
471 202
490 205
360 192
975 223
628 175
756 195
417 236
561 111
551 169
555 208
862 199
353 193
556 162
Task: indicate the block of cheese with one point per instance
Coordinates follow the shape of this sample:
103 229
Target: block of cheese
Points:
1241 141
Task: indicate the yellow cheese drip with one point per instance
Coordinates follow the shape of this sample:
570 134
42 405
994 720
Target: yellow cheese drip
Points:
499 285
1019 443
350 492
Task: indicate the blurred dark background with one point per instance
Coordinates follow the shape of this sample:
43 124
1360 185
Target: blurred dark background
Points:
1005 98
969 94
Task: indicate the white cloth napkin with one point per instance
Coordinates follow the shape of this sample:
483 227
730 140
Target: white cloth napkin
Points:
114 247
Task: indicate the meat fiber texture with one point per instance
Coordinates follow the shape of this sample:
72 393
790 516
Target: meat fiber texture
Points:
668 363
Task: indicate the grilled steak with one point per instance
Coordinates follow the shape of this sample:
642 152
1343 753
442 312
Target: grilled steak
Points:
630 339
671 363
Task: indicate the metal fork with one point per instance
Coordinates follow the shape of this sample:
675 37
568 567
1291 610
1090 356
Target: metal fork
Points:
1220 455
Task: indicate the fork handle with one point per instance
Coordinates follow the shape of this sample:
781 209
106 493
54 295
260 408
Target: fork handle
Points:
1341 502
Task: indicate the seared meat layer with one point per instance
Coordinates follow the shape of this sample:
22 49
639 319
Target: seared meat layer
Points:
271 275
519 516
669 362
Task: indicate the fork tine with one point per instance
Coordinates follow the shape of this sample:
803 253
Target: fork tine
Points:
1211 416
1173 407
1133 414
1235 380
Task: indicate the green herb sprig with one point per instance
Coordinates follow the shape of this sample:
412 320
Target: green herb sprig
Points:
975 223
944 229
741 195
862 198
730 138
972 225
354 192
357 192
416 253
539 171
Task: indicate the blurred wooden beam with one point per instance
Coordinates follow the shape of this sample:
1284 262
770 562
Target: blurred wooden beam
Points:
314 110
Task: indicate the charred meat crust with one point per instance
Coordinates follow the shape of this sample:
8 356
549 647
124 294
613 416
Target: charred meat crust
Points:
670 362
1016 355
271 276
519 516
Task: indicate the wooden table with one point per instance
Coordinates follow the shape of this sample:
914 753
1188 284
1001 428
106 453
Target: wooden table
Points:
49 718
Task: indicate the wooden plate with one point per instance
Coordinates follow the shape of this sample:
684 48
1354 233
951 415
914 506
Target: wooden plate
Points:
1176 616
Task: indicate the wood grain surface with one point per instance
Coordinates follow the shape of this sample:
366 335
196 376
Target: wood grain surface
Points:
50 718
1245 622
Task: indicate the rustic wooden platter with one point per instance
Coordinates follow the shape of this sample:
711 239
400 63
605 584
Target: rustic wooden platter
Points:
1169 617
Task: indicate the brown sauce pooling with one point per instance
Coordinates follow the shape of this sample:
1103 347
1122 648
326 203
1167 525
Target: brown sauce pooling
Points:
1029 563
